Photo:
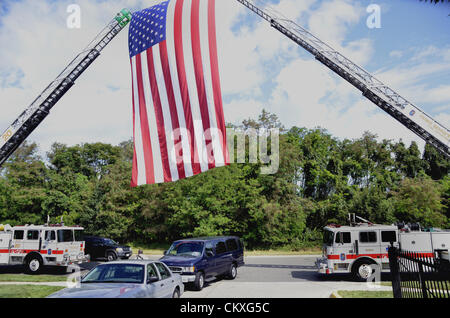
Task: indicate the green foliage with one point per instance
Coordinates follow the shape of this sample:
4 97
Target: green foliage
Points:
320 180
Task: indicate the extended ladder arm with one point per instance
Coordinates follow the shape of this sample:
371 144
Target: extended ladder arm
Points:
383 96
27 122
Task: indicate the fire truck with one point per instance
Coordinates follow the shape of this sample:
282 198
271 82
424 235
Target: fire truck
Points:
362 247
37 246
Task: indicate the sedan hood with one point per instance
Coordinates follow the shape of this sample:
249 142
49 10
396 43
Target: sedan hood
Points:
97 290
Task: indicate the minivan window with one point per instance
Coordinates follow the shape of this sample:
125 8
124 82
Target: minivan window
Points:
209 248
187 249
231 245
220 248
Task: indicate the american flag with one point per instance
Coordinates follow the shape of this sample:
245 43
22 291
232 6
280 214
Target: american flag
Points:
179 125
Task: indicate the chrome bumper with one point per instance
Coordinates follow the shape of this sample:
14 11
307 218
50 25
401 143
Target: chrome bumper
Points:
187 278
322 266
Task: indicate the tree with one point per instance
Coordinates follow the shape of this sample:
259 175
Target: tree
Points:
420 200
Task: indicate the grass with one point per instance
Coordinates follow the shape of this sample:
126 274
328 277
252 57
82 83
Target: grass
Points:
283 251
158 249
31 278
149 249
365 294
27 291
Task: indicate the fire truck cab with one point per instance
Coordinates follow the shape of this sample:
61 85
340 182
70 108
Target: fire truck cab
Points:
36 246
362 248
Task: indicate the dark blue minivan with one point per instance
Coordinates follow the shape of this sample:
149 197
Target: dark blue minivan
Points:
200 258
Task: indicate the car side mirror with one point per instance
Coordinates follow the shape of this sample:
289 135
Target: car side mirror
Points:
165 252
209 254
152 280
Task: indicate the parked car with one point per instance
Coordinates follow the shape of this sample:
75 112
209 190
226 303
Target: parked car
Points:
100 247
201 258
127 279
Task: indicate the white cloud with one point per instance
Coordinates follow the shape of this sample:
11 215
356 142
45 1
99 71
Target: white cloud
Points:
259 67
40 46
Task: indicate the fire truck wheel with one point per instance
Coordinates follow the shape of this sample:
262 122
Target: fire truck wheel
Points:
363 270
33 265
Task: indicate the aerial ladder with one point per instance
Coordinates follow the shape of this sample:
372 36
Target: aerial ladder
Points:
411 116
39 109
382 95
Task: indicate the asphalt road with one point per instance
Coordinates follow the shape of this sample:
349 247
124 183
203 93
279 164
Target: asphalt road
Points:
268 277
280 277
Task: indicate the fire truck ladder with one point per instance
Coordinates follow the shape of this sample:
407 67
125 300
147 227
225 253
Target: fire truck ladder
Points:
383 96
27 122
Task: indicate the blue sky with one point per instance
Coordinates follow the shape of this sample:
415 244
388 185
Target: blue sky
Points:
259 67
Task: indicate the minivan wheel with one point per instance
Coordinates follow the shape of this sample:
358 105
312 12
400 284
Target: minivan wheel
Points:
199 282
232 273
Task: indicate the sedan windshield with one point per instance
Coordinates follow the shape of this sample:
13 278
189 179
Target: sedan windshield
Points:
188 249
116 273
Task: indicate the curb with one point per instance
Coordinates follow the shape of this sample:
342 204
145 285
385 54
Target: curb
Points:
335 295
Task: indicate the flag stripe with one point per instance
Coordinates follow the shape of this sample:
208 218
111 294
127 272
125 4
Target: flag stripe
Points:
179 52
220 117
140 160
183 133
192 87
159 116
165 110
154 136
201 90
148 155
178 155
134 173
206 61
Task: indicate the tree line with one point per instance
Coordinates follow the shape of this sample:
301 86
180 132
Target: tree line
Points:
320 180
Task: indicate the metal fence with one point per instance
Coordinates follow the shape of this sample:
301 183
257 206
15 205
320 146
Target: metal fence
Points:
419 275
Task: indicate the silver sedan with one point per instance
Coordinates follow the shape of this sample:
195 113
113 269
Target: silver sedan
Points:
127 279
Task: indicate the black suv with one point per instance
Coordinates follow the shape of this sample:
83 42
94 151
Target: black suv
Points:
100 247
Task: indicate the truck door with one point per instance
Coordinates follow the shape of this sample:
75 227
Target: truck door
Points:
343 245
369 244
5 240
49 244
31 241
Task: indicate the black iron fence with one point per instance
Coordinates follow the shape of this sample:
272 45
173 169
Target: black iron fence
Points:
419 275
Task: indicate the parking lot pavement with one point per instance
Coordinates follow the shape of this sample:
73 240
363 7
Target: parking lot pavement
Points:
280 277
226 289
266 277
